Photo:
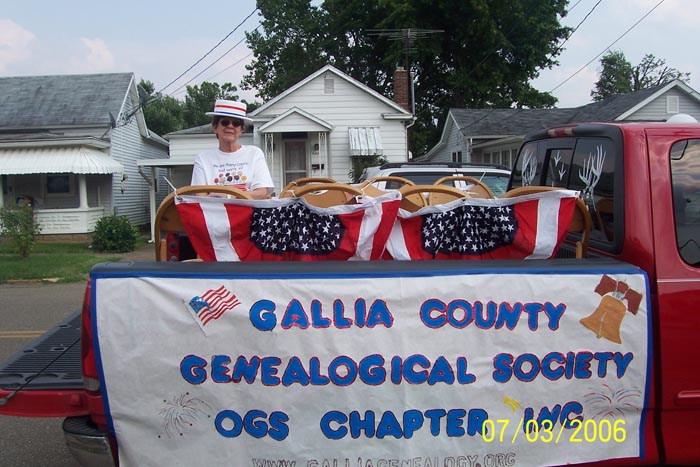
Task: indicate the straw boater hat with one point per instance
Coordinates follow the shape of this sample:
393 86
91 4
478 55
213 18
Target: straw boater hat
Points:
224 108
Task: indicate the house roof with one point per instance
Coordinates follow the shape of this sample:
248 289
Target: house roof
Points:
205 130
503 122
296 111
398 110
195 130
497 123
28 102
76 159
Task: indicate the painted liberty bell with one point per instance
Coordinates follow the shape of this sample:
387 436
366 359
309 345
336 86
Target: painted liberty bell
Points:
606 320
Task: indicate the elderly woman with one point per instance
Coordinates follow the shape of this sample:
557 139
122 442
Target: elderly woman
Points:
243 167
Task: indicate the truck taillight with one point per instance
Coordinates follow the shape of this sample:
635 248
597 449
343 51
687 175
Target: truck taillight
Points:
90 377
560 131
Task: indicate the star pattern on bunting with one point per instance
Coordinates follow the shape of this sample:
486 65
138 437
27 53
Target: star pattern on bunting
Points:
469 230
295 229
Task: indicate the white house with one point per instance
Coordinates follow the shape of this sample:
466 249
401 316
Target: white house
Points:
493 136
70 143
317 126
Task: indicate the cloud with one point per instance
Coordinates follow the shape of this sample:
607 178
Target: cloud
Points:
15 43
98 58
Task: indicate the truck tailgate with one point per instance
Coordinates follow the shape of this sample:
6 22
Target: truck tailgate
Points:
44 379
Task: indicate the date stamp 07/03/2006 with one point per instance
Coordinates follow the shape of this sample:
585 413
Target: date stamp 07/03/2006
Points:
575 431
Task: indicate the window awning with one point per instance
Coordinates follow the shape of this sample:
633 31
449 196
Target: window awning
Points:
365 141
72 159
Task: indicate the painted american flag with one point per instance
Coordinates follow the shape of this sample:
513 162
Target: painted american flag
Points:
212 304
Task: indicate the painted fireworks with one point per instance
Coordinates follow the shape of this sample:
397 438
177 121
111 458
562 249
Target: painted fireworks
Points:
182 412
613 403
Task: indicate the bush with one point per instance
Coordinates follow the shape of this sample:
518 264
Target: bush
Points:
115 234
360 163
17 223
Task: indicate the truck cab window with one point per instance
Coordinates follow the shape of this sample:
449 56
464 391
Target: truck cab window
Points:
685 173
559 167
592 173
528 168
585 164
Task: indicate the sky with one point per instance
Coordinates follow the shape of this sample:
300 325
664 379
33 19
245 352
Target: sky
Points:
160 41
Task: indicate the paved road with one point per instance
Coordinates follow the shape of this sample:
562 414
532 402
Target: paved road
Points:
25 312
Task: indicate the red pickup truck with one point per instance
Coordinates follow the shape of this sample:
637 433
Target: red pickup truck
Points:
641 184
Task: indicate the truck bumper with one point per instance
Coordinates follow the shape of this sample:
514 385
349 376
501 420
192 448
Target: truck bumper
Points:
88 445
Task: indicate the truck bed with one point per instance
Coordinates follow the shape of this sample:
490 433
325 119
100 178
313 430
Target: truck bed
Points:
52 361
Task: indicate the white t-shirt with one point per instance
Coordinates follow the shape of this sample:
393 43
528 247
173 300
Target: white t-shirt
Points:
244 169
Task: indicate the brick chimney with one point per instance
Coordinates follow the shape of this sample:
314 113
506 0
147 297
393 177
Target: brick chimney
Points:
401 89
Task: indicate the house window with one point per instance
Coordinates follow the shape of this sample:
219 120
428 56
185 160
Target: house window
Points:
672 104
457 156
59 185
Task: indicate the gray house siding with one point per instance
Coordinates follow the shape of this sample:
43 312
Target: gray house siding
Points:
128 146
454 144
658 108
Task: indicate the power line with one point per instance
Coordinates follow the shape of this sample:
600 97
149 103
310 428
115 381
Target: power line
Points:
214 63
210 50
158 95
577 26
608 47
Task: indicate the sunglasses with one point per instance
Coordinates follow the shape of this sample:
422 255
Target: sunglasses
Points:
233 123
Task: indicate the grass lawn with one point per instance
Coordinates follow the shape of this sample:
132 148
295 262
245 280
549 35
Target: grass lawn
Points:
67 262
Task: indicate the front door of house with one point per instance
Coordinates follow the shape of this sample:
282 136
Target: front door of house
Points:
294 160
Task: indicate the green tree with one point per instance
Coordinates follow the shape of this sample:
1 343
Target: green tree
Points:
200 99
289 49
618 76
471 53
653 71
615 76
163 114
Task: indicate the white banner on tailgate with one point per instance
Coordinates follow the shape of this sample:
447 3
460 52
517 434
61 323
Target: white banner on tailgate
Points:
427 368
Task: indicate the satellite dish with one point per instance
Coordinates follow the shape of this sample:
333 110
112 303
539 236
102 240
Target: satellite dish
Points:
144 97
681 118
112 121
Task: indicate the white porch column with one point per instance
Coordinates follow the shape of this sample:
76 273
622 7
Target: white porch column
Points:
152 200
82 191
323 153
2 198
269 145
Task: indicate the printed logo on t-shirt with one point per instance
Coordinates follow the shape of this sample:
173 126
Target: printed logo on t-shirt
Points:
231 175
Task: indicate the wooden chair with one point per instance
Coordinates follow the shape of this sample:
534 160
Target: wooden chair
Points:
414 198
324 195
528 190
478 190
581 222
168 220
301 182
369 189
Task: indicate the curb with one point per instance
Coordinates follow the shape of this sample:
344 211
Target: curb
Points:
48 280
